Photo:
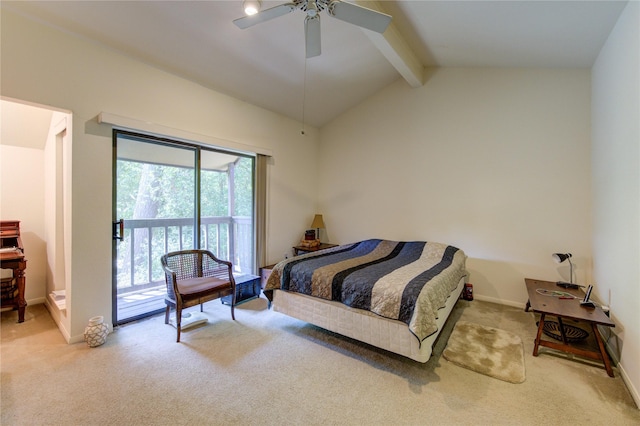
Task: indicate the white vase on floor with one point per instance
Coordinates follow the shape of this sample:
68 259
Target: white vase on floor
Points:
95 334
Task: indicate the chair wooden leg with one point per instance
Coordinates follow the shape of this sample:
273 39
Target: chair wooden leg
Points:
233 304
178 321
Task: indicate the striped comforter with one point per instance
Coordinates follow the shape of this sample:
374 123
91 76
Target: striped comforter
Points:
404 281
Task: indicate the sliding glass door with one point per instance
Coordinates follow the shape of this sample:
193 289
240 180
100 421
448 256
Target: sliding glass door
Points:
170 195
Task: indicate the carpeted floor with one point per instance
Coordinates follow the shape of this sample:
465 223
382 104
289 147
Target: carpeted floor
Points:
266 368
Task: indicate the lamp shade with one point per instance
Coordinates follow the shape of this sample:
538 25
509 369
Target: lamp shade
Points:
560 257
317 222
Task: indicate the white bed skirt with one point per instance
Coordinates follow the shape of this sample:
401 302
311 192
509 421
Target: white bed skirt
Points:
390 335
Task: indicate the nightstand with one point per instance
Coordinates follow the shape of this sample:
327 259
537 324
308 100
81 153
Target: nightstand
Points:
302 249
265 271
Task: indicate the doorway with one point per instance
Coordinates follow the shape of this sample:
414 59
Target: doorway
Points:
171 195
35 165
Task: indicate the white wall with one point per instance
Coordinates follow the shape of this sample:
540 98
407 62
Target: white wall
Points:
616 186
45 66
22 198
493 161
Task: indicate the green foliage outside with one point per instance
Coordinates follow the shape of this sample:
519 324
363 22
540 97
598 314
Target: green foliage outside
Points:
172 191
151 191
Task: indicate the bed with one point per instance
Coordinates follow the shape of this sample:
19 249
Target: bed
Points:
395 295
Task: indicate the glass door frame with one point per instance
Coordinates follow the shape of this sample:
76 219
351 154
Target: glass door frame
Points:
197 228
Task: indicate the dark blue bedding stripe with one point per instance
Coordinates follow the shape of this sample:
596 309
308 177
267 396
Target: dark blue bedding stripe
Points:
413 289
338 280
357 288
286 272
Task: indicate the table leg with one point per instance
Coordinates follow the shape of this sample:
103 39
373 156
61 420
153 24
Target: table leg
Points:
22 303
603 352
562 333
527 306
537 341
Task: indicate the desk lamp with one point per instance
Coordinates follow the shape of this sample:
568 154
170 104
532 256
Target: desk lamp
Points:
561 257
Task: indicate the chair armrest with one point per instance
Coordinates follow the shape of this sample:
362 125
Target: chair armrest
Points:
228 264
169 271
170 277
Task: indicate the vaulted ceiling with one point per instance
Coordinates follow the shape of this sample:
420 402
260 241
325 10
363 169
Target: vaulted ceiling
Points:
265 64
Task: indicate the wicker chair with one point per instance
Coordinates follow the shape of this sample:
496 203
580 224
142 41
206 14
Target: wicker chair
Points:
194 277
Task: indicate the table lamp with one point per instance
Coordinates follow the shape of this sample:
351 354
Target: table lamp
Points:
561 257
317 224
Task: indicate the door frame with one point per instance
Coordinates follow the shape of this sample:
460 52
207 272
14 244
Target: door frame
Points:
198 149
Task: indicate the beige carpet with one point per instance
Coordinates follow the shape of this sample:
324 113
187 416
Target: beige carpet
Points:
269 369
486 350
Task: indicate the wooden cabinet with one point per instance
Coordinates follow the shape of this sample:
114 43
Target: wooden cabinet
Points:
12 257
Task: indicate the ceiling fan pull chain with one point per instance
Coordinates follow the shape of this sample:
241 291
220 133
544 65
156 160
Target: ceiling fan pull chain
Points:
304 94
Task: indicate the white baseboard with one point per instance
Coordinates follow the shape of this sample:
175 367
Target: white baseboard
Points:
35 301
56 315
627 381
30 302
613 353
500 301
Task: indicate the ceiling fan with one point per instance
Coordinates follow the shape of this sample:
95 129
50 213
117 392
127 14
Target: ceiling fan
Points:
348 12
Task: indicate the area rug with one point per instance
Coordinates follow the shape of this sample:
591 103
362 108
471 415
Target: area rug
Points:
486 350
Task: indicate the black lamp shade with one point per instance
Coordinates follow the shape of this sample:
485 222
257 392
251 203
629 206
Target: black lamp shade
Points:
560 257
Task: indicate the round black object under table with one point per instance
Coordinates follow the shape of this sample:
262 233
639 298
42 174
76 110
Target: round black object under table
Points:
573 334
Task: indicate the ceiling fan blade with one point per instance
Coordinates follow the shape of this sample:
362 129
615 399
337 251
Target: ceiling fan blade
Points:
265 15
312 36
360 16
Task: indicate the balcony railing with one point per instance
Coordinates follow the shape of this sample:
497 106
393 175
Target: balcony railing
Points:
145 240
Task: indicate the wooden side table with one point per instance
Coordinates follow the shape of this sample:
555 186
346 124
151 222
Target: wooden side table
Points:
566 308
265 272
297 250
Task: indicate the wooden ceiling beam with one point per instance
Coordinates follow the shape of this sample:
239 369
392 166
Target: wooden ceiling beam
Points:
395 48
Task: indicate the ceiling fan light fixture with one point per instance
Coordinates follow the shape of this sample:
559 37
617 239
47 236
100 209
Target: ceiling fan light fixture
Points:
348 12
312 9
251 7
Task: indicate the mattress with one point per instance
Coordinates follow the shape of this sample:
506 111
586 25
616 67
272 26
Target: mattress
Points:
391 335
